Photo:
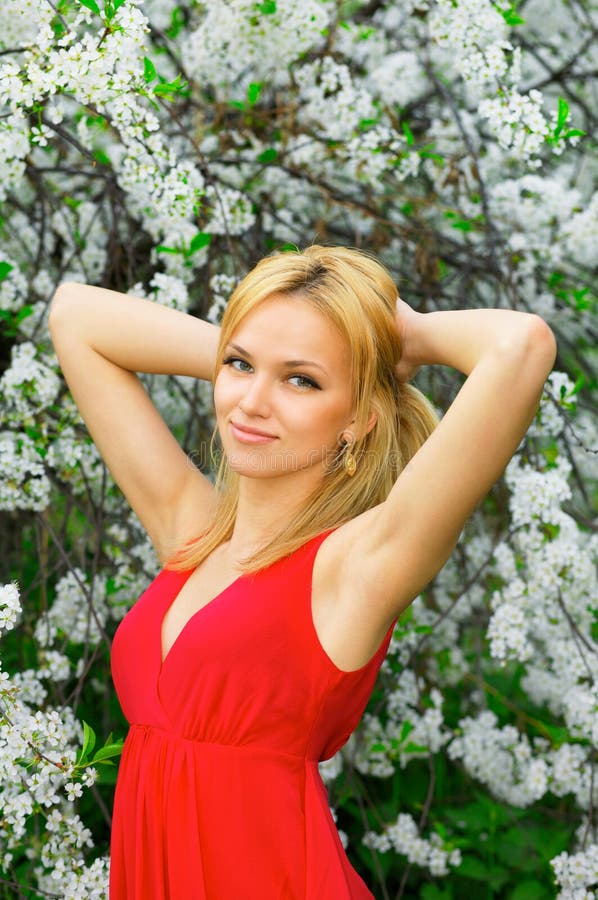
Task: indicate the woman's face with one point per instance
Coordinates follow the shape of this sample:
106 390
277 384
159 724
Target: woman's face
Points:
283 393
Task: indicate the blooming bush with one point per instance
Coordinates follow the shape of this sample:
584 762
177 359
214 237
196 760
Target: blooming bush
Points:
162 148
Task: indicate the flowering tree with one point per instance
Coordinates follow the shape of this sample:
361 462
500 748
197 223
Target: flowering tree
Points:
162 149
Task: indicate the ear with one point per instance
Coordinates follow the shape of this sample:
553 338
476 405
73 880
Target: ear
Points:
349 433
372 419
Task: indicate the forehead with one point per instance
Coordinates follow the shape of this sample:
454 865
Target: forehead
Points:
292 328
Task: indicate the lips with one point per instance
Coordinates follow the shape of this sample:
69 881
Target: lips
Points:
252 431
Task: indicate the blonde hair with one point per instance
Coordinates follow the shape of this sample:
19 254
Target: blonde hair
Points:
357 294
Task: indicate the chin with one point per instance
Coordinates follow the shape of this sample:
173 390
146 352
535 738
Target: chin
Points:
256 465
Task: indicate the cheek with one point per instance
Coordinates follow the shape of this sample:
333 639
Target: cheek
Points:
222 394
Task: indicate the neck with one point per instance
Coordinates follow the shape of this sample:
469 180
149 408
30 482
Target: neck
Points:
265 506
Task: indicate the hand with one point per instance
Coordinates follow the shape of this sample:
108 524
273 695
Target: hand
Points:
406 319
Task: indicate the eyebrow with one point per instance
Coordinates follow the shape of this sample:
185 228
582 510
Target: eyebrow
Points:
289 363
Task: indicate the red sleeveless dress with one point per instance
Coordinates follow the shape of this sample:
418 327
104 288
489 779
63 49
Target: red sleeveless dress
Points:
219 796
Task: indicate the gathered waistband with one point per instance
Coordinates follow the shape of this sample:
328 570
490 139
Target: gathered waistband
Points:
144 730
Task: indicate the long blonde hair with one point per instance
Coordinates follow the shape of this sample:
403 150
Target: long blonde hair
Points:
357 294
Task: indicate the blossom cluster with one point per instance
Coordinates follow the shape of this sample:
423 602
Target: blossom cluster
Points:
403 836
39 778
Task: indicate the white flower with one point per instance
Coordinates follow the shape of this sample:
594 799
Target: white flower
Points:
10 607
403 837
40 135
23 482
73 790
508 635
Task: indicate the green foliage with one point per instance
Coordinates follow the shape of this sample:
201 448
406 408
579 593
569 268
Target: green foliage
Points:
559 133
197 243
103 756
511 16
5 268
110 8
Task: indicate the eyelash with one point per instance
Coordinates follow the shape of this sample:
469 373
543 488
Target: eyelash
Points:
309 383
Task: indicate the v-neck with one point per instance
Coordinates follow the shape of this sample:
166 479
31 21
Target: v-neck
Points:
164 659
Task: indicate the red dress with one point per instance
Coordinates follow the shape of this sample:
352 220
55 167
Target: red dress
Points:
219 796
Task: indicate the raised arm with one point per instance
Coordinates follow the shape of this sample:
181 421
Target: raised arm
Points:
101 339
507 356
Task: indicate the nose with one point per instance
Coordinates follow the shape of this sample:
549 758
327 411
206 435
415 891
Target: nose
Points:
255 400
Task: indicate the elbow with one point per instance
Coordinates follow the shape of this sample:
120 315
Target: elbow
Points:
529 349
60 306
62 294
541 343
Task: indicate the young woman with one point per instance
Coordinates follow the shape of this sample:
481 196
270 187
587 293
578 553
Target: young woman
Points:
253 653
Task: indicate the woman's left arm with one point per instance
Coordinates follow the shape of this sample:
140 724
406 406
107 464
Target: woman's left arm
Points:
506 356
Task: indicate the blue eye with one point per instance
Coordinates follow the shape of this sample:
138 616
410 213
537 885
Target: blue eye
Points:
304 382
236 363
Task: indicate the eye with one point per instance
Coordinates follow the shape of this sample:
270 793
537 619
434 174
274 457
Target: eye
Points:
303 382
236 363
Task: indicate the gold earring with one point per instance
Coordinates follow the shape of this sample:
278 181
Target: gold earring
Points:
349 463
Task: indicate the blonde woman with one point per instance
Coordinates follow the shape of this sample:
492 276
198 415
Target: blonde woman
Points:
252 655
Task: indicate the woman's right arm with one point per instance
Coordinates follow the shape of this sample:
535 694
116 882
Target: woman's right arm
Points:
102 338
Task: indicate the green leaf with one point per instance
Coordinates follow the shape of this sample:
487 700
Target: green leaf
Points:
581 300
366 124
408 133
268 155
561 118
253 92
5 268
107 752
563 113
406 730
101 156
574 132
415 748
89 742
530 889
200 241
458 223
116 4
92 5
149 70
268 7
512 17
427 152
23 313
163 249
177 22
169 89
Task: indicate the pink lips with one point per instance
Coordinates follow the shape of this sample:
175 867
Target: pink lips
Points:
250 435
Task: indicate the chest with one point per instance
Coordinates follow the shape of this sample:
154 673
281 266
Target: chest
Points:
347 630
203 586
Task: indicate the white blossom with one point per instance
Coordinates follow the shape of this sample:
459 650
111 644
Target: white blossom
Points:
10 606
